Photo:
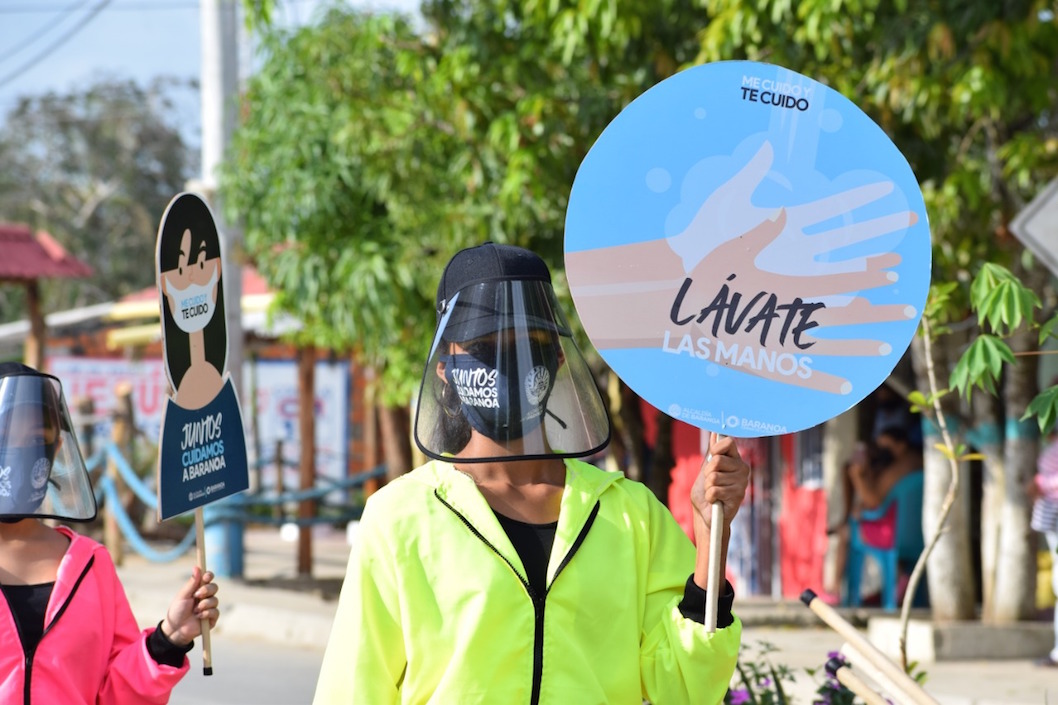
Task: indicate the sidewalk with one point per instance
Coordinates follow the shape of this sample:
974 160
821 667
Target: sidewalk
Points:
271 603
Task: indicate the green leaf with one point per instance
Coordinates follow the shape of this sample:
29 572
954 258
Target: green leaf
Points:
981 365
1047 329
1001 300
1045 408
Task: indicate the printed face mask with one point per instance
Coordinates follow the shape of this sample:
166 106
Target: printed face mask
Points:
24 474
192 306
496 402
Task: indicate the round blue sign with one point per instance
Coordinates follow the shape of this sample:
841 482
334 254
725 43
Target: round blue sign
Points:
747 249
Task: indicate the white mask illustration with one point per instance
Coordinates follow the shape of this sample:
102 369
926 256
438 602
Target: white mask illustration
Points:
193 306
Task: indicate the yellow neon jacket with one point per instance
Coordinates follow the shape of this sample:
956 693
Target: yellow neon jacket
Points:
435 607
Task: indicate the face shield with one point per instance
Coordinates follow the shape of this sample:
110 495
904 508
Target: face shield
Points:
505 381
42 473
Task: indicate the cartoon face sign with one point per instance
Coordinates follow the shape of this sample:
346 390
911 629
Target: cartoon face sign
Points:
191 291
191 288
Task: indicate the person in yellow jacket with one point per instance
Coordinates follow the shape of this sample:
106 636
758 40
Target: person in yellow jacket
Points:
505 570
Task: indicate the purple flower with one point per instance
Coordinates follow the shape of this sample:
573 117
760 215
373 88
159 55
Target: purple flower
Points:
739 696
764 682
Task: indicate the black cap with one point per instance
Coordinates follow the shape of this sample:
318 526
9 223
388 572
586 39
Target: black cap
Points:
483 264
16 368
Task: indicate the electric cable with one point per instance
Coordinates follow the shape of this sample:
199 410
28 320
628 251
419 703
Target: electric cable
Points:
56 44
44 30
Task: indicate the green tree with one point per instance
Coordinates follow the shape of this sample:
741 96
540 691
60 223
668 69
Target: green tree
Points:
371 152
95 168
966 91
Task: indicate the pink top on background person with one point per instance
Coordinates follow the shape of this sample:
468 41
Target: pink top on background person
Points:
92 650
1047 472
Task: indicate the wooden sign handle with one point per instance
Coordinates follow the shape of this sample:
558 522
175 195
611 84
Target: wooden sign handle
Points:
200 543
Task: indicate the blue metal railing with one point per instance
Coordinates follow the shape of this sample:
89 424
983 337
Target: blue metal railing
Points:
238 508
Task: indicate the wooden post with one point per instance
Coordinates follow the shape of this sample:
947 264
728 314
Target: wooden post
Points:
33 353
307 457
120 432
372 457
258 472
86 410
279 510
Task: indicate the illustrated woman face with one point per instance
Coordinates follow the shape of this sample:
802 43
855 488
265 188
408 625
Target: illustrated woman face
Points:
191 288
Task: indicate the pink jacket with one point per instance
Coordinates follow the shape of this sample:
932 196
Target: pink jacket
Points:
92 651
1047 472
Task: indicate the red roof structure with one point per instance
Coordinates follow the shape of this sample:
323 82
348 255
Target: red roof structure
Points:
25 257
28 255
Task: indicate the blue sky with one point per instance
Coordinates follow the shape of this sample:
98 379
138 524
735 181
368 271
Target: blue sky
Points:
137 39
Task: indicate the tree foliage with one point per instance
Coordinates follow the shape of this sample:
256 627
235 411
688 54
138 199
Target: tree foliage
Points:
95 168
400 143
372 150
967 92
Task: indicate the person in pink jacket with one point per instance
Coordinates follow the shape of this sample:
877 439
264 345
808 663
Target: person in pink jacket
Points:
67 633
1044 491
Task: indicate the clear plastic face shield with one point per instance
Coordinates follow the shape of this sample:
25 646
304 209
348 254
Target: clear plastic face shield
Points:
42 473
505 381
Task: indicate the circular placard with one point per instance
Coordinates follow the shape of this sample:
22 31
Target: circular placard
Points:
747 249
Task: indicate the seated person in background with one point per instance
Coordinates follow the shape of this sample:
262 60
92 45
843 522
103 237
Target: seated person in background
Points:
875 471
886 474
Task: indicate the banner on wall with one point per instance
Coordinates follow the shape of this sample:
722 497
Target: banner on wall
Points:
98 379
277 416
276 403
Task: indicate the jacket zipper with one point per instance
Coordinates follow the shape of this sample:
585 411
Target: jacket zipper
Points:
29 656
538 601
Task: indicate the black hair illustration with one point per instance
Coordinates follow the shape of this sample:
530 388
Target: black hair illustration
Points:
192 214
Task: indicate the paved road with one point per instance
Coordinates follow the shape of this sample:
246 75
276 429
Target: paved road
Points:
250 673
274 625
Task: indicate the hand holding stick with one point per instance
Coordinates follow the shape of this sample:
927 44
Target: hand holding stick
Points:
717 494
200 543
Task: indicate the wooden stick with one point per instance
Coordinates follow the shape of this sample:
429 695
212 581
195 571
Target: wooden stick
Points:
864 664
844 675
879 660
712 591
200 543
716 545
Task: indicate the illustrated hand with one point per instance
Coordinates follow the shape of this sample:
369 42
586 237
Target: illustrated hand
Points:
729 212
196 600
756 290
729 298
723 478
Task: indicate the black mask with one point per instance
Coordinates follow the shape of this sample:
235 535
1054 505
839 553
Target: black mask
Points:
882 458
498 402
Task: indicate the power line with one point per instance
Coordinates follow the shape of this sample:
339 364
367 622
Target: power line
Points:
56 44
44 30
39 8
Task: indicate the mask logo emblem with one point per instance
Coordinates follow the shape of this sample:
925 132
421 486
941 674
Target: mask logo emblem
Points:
537 384
41 471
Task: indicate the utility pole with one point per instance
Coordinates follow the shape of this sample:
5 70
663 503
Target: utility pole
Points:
219 25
